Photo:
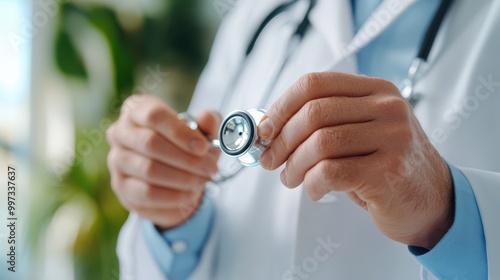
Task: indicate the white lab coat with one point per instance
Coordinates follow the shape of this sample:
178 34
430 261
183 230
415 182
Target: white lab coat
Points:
263 230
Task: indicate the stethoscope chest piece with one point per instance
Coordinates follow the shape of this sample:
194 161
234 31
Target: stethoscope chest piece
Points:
238 136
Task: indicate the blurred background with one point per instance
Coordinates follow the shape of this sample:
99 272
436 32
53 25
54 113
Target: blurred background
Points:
66 66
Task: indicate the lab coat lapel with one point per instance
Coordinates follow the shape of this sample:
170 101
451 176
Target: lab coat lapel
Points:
333 19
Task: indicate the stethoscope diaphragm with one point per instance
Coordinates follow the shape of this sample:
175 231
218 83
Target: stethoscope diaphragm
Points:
237 135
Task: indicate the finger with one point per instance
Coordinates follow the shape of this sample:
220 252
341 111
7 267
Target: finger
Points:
123 185
314 115
351 140
155 172
150 143
341 175
158 216
140 194
110 132
209 122
318 85
163 218
354 197
116 183
155 114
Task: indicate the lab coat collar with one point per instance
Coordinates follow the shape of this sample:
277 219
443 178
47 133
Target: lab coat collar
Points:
333 19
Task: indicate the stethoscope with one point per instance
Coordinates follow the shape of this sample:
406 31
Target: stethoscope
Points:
237 137
408 91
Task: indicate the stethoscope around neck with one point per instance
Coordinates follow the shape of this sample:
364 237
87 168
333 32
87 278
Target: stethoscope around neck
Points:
238 138
408 91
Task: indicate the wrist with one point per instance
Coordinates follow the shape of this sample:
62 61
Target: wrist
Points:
183 213
442 217
432 237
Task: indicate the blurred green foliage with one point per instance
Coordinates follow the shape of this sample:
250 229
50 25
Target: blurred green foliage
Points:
176 38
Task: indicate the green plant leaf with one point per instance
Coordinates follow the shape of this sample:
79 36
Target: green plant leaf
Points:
105 20
68 59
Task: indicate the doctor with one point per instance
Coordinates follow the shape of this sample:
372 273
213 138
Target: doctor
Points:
359 185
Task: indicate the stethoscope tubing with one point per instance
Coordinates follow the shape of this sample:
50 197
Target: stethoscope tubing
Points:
408 90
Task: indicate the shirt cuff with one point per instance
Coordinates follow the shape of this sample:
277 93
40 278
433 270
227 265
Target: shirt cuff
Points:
177 251
461 253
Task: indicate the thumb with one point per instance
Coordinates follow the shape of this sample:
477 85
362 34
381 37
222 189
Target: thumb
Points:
209 122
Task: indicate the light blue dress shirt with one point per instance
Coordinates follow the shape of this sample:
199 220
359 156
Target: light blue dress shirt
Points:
461 254
178 251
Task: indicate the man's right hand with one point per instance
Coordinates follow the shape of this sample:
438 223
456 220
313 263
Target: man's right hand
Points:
158 165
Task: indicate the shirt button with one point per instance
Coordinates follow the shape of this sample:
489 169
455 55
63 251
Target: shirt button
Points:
179 246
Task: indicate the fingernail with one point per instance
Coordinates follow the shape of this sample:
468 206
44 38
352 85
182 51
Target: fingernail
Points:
267 159
283 178
266 129
197 146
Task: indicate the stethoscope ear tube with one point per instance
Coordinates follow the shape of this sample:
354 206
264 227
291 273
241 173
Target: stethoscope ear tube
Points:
191 123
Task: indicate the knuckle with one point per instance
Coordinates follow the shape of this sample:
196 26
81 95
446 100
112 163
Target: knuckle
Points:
313 111
395 105
335 173
154 115
326 169
130 103
282 142
322 141
310 188
343 174
310 82
112 158
120 190
386 86
148 140
341 166
317 187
